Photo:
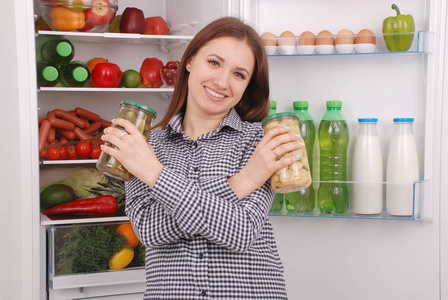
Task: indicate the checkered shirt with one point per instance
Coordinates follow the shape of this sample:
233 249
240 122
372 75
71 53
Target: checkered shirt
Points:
202 242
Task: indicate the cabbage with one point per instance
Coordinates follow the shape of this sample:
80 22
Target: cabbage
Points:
79 178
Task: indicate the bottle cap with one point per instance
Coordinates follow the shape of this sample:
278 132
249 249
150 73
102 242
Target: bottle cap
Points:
368 120
140 105
80 74
403 120
64 49
50 73
300 104
277 115
273 104
334 104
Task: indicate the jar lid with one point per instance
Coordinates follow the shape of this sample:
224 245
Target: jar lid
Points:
368 120
278 115
403 120
140 105
334 104
300 104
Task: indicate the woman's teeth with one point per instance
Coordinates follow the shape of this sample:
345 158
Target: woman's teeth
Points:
214 94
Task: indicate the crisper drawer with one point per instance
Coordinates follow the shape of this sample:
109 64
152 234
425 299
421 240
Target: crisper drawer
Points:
94 255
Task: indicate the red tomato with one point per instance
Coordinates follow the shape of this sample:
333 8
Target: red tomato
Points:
63 152
53 153
106 74
95 152
156 25
83 149
71 152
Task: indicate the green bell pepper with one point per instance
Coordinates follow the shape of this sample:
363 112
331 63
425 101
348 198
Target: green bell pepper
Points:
398 31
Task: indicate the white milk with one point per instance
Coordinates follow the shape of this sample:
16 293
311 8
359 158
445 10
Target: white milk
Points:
367 191
402 170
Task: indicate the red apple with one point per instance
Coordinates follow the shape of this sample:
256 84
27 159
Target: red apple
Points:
132 21
100 13
156 25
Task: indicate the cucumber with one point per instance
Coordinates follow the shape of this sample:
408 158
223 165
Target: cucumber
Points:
56 194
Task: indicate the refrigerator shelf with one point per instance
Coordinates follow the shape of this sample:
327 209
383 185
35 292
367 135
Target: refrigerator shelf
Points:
423 43
68 162
82 219
421 204
93 89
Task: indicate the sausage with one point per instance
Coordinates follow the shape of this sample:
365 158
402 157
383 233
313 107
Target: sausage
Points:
62 124
94 127
67 134
70 117
40 120
81 112
51 135
81 135
105 123
51 114
43 134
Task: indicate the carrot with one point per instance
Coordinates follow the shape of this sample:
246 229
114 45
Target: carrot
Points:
68 134
81 112
95 126
105 123
43 134
81 135
69 117
62 124
51 135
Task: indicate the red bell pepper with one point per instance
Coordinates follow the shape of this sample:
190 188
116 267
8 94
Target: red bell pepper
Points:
150 72
106 204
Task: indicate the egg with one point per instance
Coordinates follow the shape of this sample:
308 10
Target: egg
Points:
287 38
365 36
307 38
269 39
345 37
325 37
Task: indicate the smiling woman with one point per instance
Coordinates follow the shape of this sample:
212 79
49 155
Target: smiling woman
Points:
201 196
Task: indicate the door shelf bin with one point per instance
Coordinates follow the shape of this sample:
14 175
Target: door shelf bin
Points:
421 204
78 256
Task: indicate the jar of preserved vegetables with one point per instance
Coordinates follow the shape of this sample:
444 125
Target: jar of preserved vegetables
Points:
142 116
296 176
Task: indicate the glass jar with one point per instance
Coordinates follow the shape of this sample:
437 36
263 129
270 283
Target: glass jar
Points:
296 176
142 117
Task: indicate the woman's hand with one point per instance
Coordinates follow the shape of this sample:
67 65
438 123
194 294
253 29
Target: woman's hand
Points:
133 152
263 162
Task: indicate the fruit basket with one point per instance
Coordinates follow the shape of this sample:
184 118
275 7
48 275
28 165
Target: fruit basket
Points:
78 15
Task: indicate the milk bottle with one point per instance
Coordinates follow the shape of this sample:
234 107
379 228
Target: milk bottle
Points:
402 170
367 168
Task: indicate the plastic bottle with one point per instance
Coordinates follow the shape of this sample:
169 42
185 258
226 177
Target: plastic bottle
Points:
402 170
333 135
58 51
74 74
367 169
47 75
304 201
272 107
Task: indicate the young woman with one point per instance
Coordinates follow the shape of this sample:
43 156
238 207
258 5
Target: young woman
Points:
201 196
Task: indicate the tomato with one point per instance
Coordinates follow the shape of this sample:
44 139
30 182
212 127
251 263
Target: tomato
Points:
95 152
106 74
171 65
71 152
53 153
156 25
63 152
83 149
92 63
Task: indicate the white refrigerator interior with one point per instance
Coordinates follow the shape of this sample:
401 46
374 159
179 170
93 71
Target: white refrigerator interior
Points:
325 257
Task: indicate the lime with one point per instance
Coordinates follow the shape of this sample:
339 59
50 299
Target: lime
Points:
131 78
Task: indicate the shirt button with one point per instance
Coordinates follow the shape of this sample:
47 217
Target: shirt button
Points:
195 169
204 293
201 256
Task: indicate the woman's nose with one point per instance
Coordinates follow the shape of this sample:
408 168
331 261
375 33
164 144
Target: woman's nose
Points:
222 79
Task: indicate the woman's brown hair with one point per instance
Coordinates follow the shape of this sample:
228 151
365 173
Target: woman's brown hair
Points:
254 103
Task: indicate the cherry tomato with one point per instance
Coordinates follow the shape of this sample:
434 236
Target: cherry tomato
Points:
63 152
71 152
83 149
53 153
171 65
95 152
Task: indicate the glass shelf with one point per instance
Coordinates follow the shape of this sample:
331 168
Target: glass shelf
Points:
94 89
422 44
421 205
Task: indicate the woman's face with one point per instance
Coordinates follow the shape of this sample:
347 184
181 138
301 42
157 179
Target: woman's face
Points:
219 74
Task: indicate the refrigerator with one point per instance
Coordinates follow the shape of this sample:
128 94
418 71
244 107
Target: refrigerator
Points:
325 257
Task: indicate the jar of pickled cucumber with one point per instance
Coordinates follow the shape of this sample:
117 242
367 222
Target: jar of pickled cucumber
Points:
296 176
142 117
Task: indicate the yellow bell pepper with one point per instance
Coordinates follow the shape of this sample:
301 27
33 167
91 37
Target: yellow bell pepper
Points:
65 19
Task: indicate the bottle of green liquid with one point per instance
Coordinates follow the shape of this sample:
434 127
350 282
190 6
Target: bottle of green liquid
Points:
278 202
47 75
304 201
74 74
58 51
333 135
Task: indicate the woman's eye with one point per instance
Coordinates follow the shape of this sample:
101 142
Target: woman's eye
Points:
238 74
213 62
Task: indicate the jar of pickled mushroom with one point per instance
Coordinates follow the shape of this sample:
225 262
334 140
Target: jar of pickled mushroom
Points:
296 176
142 117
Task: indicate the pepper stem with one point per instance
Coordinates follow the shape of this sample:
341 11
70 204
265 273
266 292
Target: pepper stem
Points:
395 7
